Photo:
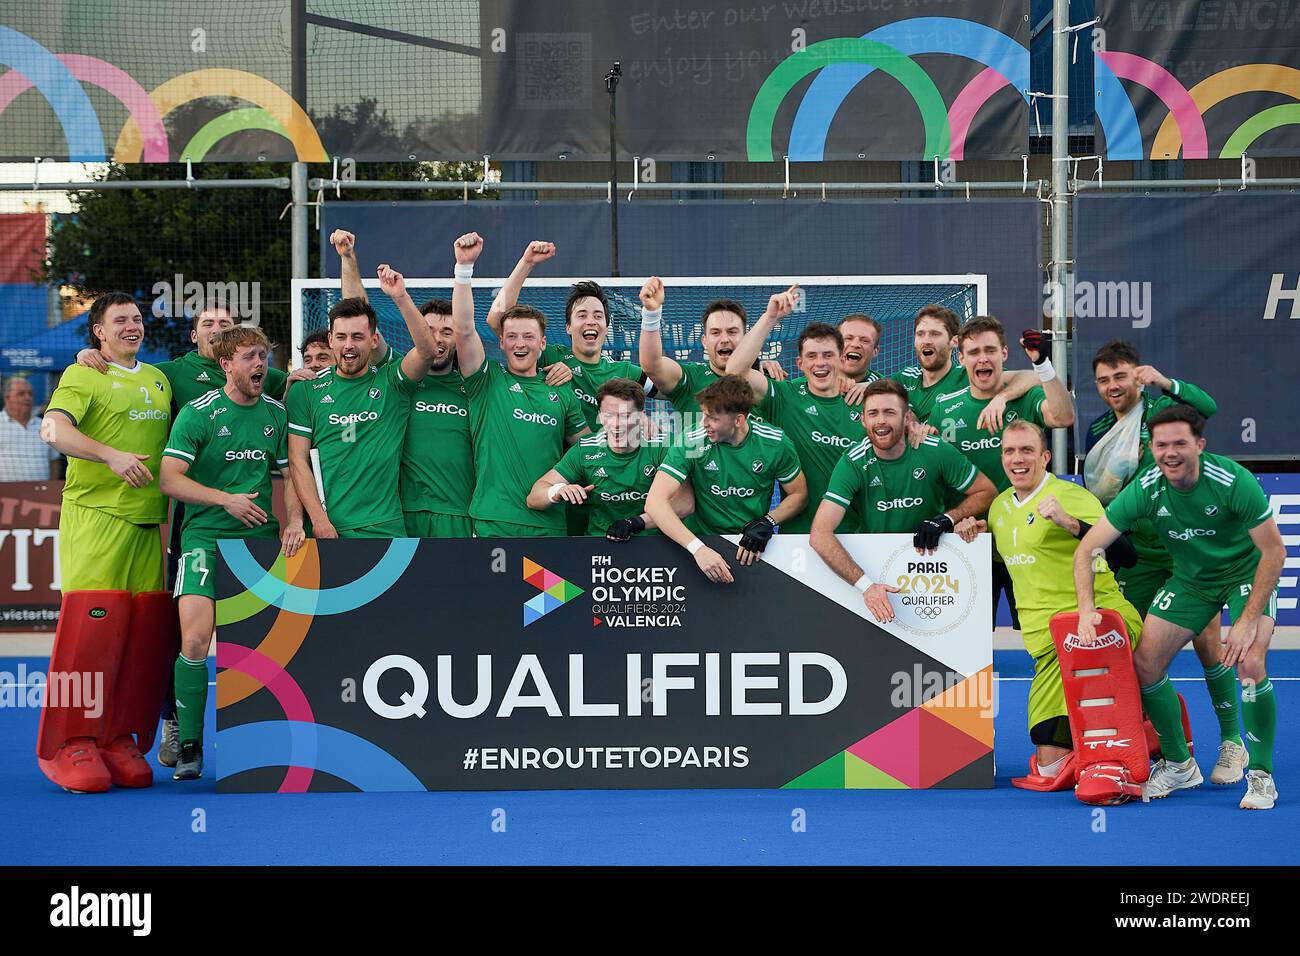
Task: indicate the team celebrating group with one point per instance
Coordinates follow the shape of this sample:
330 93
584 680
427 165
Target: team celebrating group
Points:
556 439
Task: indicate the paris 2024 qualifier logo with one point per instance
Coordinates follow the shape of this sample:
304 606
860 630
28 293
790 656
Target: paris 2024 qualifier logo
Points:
937 592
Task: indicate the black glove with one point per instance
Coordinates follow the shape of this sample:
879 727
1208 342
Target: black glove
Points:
624 528
1036 340
755 535
930 531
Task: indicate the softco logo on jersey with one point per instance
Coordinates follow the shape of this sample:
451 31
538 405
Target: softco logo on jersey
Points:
441 408
535 418
555 591
839 441
353 418
635 596
246 454
1190 533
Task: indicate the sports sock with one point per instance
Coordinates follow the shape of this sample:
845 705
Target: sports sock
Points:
1160 701
1259 714
1053 768
191 697
1222 684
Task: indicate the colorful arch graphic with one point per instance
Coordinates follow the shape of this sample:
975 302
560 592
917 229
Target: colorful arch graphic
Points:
345 755
309 601
848 50
1213 90
235 121
1182 109
302 749
1244 135
975 41
236 84
72 108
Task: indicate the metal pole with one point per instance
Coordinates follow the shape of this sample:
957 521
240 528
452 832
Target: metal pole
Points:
298 173
611 84
1060 209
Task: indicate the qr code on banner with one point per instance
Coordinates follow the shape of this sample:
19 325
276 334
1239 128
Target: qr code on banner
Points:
553 71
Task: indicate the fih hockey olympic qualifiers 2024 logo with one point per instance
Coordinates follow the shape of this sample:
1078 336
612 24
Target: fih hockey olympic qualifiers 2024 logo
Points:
936 592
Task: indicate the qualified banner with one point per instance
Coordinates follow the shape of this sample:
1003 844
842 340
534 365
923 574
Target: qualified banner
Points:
548 663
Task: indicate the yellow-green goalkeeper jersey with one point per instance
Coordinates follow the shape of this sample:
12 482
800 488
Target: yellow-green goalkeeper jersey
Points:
822 429
733 483
896 495
1039 555
359 426
622 479
1205 528
519 426
128 409
233 448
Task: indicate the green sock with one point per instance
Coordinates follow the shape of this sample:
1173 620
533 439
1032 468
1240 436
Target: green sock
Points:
191 697
1259 714
1160 701
1222 684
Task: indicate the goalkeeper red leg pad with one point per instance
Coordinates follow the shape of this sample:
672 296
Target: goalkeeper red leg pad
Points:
1153 739
1105 705
142 681
1064 779
88 647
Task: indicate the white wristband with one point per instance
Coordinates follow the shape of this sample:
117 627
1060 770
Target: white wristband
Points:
695 545
464 272
1045 370
650 319
554 490
863 583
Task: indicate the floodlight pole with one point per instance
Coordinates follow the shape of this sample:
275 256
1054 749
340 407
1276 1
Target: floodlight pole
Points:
611 84
1060 211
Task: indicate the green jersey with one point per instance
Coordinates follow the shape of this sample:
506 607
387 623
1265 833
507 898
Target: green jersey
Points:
921 397
359 427
622 479
589 377
1206 528
437 472
696 377
1150 550
897 495
193 376
233 448
955 415
821 429
1040 556
733 483
128 409
518 425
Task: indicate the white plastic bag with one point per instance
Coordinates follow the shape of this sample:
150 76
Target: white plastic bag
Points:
1113 461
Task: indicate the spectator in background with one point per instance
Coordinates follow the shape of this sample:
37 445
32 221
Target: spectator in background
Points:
23 455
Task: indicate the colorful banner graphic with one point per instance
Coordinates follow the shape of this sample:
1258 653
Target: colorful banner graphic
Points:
404 665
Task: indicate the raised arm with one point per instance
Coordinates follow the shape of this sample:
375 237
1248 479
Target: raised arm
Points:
345 244
1184 392
63 436
535 253
469 347
663 371
415 363
779 305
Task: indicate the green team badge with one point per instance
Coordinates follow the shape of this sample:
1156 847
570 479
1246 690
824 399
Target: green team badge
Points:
375 393
918 474
757 465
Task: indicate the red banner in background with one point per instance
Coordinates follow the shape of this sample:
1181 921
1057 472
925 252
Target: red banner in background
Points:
29 550
23 251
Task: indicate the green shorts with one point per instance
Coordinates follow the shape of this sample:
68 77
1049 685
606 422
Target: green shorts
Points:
1192 606
101 552
429 524
576 519
392 528
508 529
1140 583
1046 692
196 567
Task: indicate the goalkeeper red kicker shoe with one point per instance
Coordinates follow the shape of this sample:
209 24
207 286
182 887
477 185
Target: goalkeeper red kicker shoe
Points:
1064 779
126 765
77 767
1106 784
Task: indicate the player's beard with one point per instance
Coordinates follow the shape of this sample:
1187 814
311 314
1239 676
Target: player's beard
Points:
249 386
884 442
443 365
934 361
353 366
1126 400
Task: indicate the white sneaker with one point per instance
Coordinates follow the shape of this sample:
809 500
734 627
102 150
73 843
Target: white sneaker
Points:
1261 791
1167 776
1231 765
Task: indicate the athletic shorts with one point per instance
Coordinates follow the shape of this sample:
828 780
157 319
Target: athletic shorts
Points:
1140 583
392 528
1046 693
1002 583
1194 605
430 524
101 552
196 566
508 529
576 519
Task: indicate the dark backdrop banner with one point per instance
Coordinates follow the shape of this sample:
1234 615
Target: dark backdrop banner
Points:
391 80
1200 80
722 238
578 663
1205 286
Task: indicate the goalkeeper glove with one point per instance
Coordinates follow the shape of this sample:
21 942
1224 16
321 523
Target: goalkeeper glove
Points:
624 528
929 531
755 535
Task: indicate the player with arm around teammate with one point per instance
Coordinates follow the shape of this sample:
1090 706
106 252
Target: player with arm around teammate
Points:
219 460
1219 528
897 488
